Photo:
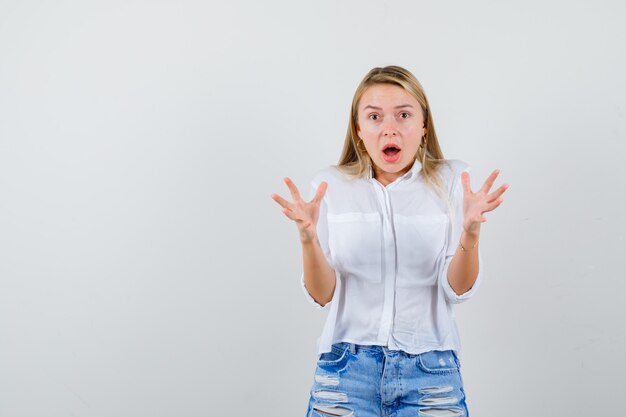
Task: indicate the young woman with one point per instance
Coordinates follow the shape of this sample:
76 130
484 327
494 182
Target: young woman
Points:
390 244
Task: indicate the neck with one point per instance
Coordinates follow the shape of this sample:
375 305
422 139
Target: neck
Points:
386 178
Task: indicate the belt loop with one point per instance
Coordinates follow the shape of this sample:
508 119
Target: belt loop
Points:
352 348
456 356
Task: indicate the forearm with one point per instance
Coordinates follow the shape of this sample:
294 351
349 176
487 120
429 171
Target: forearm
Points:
463 269
319 277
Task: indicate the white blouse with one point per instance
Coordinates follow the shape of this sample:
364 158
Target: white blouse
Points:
390 248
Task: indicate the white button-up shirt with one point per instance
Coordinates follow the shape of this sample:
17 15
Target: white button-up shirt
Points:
390 247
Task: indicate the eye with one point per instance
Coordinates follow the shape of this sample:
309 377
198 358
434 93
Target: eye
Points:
374 116
405 115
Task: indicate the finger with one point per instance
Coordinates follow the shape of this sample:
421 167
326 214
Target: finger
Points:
284 203
491 197
293 189
302 223
490 180
491 206
291 215
465 180
321 190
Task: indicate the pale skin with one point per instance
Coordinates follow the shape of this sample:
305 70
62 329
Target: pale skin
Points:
388 114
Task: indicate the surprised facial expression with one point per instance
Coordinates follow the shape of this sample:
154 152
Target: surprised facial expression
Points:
391 125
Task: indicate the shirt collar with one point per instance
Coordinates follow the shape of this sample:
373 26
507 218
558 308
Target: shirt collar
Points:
415 169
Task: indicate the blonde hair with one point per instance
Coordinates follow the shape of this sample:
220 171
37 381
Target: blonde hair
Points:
355 161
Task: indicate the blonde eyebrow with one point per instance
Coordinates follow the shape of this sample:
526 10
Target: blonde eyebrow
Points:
378 108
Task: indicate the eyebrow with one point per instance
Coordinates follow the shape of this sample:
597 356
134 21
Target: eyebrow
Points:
378 108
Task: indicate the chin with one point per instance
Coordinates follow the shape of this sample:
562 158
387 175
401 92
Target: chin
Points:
397 166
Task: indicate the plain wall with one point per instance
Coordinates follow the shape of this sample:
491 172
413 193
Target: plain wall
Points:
144 269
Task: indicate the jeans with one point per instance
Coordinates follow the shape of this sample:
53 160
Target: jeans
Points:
355 380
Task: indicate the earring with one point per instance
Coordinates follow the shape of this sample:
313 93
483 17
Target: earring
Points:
423 146
360 141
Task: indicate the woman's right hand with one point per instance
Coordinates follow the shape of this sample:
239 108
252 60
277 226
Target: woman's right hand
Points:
304 214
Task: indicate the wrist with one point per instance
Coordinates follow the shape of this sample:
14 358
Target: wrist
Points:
308 241
472 231
469 240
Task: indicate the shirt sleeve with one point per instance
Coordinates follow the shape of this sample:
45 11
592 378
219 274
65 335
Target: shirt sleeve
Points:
455 235
322 235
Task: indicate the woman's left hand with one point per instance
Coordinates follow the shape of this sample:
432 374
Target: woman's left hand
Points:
475 204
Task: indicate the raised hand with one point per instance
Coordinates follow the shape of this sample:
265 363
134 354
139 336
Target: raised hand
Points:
304 214
475 204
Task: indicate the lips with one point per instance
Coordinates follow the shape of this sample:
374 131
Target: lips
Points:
391 152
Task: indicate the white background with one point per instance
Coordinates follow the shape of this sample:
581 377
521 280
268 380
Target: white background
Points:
144 269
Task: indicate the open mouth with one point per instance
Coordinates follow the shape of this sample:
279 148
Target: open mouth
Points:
391 152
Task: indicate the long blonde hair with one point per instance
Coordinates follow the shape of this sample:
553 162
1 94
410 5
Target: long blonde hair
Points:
355 161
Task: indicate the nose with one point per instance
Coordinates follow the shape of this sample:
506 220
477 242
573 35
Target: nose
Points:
389 129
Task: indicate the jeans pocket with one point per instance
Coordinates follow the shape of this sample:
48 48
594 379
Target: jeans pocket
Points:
336 359
438 362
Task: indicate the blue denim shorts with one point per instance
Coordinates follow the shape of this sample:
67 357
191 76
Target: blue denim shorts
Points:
355 380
